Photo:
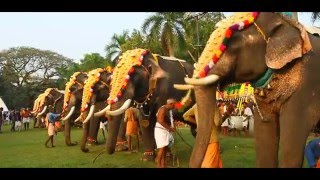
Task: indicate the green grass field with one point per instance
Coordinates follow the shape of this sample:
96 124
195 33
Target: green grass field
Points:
26 149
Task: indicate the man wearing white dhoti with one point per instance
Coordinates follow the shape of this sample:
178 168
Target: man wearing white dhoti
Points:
248 117
162 132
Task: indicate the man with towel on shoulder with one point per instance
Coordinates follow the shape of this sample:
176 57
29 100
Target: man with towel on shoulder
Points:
163 131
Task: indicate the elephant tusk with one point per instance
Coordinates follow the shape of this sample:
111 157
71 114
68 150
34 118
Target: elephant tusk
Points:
78 119
90 114
43 111
69 114
102 112
203 81
119 111
183 86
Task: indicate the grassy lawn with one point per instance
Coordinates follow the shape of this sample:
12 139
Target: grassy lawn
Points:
26 149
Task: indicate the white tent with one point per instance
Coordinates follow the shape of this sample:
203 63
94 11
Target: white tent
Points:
3 105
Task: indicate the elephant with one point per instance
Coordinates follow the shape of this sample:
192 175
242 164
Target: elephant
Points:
72 103
144 80
51 97
95 93
281 60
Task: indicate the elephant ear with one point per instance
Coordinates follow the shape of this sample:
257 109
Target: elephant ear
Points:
156 71
289 42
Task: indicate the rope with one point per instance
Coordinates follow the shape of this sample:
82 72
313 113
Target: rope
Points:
185 70
261 32
94 159
178 133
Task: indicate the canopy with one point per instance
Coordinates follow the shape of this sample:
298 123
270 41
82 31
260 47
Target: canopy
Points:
3 105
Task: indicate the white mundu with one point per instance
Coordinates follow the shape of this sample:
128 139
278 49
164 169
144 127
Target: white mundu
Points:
249 114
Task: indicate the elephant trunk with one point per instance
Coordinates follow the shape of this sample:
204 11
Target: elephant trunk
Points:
205 95
84 137
114 126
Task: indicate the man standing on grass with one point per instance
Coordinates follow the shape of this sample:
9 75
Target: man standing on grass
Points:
52 118
163 132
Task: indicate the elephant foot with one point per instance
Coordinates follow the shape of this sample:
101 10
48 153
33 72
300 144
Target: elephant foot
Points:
85 150
72 144
148 156
169 158
121 146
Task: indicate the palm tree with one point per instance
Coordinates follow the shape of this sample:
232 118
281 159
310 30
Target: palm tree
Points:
166 26
114 47
315 16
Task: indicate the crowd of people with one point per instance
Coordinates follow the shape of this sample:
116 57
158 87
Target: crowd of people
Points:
230 108
19 120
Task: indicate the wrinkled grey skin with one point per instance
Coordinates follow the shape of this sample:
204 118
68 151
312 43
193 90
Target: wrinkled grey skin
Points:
289 109
100 95
54 98
138 88
76 91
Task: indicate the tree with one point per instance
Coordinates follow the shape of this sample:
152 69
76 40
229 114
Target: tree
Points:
115 46
134 41
199 27
89 62
166 26
27 71
315 16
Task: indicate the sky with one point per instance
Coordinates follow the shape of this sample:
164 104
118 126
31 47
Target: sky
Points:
73 34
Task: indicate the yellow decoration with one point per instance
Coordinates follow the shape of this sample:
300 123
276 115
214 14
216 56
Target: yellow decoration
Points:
129 59
41 99
37 102
216 39
93 78
69 84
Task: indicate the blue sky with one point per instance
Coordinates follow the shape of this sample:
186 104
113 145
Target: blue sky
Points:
72 34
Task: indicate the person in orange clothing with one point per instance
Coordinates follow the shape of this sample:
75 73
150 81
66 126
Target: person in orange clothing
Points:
212 157
131 117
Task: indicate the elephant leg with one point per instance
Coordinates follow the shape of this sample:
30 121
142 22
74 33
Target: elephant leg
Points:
121 138
295 128
85 130
93 131
266 134
149 141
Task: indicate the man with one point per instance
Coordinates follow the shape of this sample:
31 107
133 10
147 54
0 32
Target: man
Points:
212 157
103 124
247 113
162 132
52 118
312 152
131 117
25 114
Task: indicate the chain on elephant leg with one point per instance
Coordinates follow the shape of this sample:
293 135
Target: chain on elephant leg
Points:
148 155
121 146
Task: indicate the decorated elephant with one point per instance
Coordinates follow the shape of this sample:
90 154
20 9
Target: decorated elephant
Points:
146 81
51 97
72 102
36 110
95 93
281 60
